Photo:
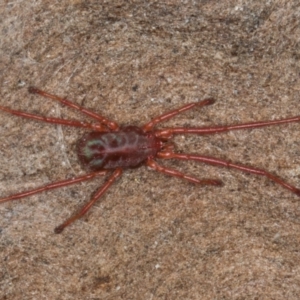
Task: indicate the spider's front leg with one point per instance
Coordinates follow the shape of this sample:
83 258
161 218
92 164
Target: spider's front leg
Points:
227 164
168 132
171 172
168 115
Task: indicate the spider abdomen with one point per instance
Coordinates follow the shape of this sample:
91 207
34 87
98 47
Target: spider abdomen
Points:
126 148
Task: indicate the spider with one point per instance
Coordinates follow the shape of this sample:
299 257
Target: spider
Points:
110 148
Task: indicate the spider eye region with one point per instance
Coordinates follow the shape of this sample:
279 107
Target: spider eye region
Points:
126 148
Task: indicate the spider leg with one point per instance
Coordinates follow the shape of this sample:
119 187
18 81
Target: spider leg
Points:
227 164
97 127
53 185
110 124
168 132
155 166
166 116
117 173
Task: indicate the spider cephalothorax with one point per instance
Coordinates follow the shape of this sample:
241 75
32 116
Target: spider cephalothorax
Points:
127 147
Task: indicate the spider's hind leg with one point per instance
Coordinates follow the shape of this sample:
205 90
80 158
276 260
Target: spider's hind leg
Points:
117 173
110 124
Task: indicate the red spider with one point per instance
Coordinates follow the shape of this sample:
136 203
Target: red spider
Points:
111 147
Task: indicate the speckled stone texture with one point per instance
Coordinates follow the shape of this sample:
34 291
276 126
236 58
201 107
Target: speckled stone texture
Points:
151 236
